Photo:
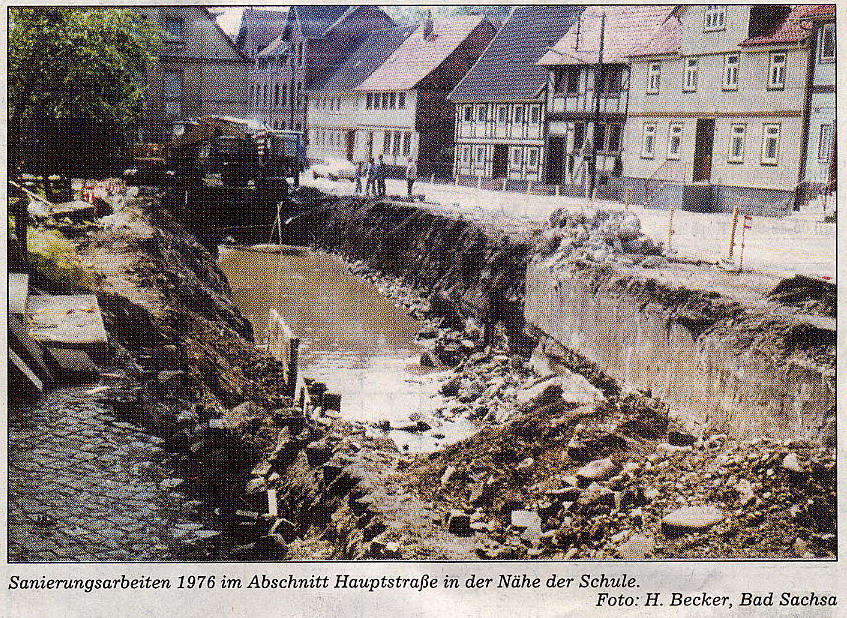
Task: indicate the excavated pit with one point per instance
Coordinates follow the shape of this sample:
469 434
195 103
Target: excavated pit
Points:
279 486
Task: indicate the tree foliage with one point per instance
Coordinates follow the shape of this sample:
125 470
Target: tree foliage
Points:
74 67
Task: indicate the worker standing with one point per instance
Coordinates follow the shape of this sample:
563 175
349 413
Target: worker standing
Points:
411 174
370 184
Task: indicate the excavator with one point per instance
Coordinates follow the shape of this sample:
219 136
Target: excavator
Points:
238 150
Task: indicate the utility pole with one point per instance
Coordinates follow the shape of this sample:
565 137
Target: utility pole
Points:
598 84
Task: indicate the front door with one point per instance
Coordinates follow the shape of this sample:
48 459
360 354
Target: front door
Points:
351 142
500 164
703 144
555 160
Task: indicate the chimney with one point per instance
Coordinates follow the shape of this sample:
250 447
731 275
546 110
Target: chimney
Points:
427 26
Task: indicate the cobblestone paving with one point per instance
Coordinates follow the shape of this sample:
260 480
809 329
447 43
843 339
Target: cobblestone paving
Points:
85 486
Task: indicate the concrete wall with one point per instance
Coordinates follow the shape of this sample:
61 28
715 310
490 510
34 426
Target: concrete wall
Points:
702 378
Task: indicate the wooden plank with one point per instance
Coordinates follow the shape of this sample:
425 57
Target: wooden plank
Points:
18 364
18 290
68 320
27 348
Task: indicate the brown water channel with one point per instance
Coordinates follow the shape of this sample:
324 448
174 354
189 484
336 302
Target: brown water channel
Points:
353 338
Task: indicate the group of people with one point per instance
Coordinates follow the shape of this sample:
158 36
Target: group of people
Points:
372 174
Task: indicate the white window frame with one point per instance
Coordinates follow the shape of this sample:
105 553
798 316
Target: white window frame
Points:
654 77
480 154
825 142
468 114
532 157
534 114
516 156
675 132
731 63
828 27
690 75
714 17
516 109
776 70
771 132
737 133
648 130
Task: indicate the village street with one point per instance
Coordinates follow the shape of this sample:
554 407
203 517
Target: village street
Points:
798 244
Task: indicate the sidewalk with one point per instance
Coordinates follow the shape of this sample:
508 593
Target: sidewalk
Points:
780 247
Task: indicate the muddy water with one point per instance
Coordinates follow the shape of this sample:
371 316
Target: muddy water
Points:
353 338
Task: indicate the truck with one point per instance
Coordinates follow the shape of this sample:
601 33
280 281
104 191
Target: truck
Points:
238 150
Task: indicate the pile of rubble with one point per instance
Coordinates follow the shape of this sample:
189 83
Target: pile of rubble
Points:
605 236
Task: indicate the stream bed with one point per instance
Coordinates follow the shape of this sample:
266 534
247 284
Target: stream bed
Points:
357 341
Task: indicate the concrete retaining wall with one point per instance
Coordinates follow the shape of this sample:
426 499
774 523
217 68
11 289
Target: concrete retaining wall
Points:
703 378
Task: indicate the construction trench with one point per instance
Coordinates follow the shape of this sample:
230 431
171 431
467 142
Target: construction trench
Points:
617 411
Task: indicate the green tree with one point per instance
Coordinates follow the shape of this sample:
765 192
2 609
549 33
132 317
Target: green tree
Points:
75 77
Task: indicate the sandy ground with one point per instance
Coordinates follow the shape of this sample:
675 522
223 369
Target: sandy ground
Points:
780 247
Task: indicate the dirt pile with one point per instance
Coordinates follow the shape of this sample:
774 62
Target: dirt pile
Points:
605 236
609 480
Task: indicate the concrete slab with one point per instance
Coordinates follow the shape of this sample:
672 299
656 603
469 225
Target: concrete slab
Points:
16 364
75 362
67 321
18 291
30 352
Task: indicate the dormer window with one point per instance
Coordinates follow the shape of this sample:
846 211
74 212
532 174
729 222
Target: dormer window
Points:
174 26
714 17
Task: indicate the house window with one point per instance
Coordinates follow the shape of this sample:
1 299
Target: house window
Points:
468 113
407 144
384 101
480 154
615 132
392 100
770 144
776 71
826 52
599 135
466 154
532 157
517 156
386 144
401 100
648 140
689 83
534 114
730 72
825 143
174 26
276 95
715 17
612 80
518 113
369 100
654 74
284 95
482 113
567 80
502 114
674 140
736 143
172 85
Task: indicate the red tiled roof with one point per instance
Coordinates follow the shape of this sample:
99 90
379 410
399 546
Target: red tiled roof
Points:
627 28
417 57
792 29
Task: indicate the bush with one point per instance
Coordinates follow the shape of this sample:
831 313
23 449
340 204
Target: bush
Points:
55 257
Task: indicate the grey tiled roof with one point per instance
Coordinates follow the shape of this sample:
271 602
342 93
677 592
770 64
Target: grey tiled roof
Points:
507 70
368 57
316 19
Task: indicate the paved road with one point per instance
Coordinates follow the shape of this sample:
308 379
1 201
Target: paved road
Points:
85 486
781 247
